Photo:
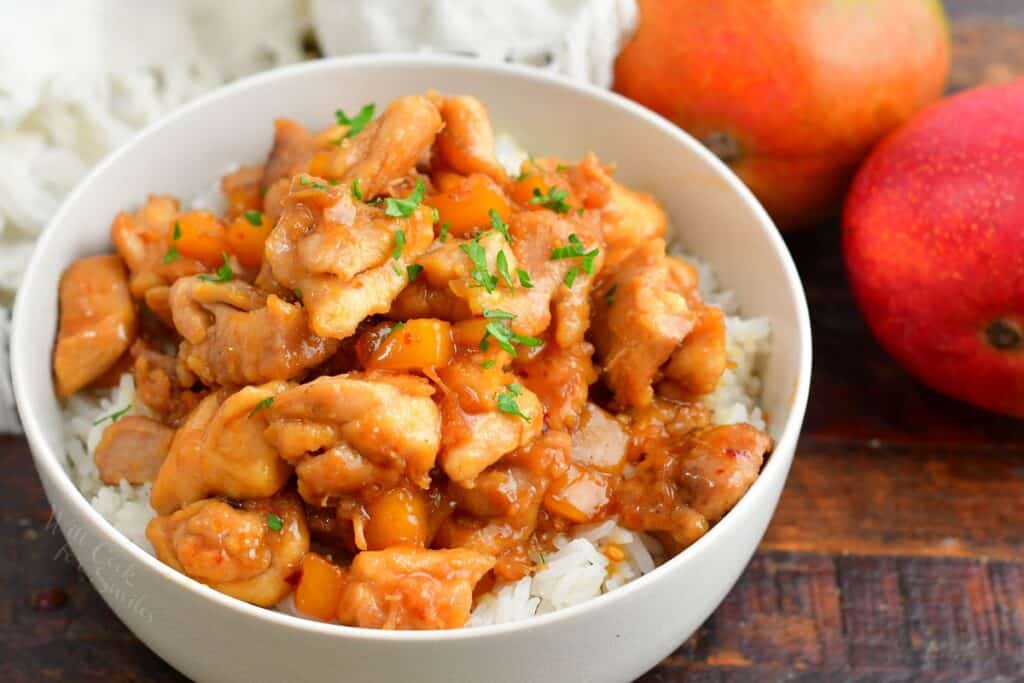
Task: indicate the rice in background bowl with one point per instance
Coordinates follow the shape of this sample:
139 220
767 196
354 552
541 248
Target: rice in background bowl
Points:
210 637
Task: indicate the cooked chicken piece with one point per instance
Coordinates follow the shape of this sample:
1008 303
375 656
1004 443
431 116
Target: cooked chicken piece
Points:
143 241
348 258
535 235
388 147
220 450
683 279
561 378
641 326
243 190
411 588
660 424
466 144
158 300
580 496
685 488
273 200
591 182
547 457
420 300
132 448
97 321
347 432
480 423
496 517
600 441
248 551
698 363
163 383
720 464
630 219
292 151
566 282
235 334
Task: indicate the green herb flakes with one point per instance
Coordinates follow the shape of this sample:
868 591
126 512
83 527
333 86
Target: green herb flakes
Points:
223 274
115 416
403 208
274 522
508 401
553 199
357 122
261 404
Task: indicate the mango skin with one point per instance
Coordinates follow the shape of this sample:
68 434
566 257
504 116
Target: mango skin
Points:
933 237
791 94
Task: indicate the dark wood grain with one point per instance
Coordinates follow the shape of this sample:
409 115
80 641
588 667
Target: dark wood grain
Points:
813 617
896 555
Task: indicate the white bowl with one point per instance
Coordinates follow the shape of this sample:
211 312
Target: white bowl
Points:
211 637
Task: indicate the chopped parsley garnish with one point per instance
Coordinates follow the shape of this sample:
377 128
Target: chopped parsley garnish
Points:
501 263
499 225
478 256
554 199
435 214
274 522
543 560
115 416
224 273
334 181
395 328
524 279
508 401
443 236
297 292
488 364
261 404
609 296
505 338
570 277
255 218
395 269
357 122
413 270
561 168
399 244
356 191
571 250
403 208
306 182
498 314
172 254
579 211
575 250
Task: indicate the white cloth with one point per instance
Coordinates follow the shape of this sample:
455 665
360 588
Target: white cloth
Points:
578 38
78 77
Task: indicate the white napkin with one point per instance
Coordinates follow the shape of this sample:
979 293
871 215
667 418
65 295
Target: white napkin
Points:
578 38
78 78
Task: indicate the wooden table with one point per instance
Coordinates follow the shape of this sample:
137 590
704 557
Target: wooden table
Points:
897 552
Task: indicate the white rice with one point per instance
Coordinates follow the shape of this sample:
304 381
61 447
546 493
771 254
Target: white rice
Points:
577 571
85 418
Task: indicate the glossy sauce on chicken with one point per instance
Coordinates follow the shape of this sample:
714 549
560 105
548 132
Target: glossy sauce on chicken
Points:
390 373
